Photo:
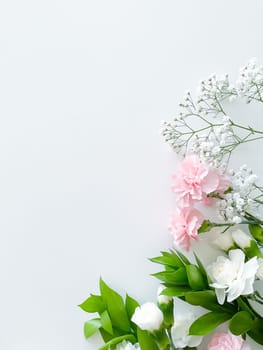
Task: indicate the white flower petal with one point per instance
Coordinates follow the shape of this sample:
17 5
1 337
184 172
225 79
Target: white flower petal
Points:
248 288
194 341
233 277
250 268
180 331
220 294
235 290
237 256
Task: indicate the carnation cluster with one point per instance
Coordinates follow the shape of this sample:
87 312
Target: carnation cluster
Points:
204 136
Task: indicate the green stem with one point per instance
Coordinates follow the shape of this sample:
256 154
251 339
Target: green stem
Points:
253 219
170 338
254 131
162 339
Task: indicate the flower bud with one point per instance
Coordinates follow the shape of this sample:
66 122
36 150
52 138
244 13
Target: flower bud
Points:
225 241
248 245
148 317
163 299
166 304
241 239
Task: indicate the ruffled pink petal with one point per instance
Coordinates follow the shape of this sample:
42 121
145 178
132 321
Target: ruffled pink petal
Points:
184 226
194 180
227 341
211 182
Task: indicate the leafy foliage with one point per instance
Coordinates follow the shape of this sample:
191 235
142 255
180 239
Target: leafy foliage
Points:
114 318
180 276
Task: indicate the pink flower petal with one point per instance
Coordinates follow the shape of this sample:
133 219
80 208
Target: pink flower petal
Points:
194 180
227 341
184 226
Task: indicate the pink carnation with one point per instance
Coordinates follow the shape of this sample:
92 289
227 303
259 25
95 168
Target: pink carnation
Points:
184 225
227 341
194 181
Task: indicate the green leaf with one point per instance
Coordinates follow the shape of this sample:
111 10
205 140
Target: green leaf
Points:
208 300
253 250
241 322
112 343
106 322
195 278
201 266
91 327
131 305
228 190
256 231
106 336
178 277
178 291
183 258
244 305
206 226
93 304
146 340
168 259
208 322
173 277
257 331
115 307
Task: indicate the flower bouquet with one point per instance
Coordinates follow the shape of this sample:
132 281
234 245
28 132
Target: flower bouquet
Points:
226 291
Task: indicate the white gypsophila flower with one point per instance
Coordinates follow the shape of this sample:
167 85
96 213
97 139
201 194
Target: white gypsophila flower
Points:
207 105
213 89
208 110
126 345
231 276
180 331
224 241
236 220
259 272
148 317
162 299
209 146
236 203
241 239
250 81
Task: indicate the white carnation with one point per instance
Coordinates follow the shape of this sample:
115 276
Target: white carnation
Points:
148 317
231 276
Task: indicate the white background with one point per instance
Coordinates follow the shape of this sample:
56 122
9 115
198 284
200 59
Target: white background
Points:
84 174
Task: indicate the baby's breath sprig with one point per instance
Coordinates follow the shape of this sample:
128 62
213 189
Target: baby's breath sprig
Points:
203 126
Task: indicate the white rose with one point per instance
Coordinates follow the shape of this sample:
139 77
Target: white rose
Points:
126 345
241 239
224 241
148 317
180 331
259 272
163 299
232 277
